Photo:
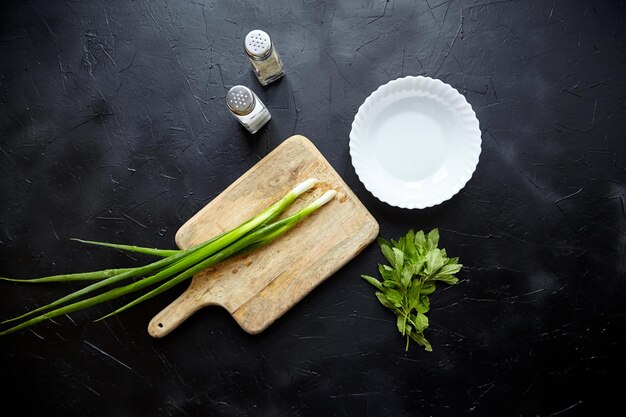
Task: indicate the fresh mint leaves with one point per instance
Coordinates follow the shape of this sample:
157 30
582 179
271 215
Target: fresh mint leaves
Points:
416 264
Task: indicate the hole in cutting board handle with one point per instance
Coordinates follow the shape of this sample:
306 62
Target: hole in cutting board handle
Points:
160 324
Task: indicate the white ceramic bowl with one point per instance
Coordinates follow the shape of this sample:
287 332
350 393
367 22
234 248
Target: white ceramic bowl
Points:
415 142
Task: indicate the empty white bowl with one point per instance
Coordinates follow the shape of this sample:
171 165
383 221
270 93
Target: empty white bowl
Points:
415 142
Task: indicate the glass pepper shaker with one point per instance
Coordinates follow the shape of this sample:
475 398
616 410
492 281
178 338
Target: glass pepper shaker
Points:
263 56
247 108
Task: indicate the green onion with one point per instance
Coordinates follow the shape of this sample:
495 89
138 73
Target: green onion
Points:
257 238
167 267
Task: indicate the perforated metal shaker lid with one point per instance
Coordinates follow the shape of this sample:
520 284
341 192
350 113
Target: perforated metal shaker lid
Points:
240 100
258 44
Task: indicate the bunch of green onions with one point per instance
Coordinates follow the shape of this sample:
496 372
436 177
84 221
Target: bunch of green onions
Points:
175 266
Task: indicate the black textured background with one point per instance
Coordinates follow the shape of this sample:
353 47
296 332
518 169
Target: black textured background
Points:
113 127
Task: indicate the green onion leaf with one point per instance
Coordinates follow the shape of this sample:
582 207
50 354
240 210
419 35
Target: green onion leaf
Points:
131 248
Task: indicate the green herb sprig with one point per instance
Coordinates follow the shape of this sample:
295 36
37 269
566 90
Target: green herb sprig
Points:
416 264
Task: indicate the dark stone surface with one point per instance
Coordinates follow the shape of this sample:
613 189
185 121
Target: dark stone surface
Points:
113 127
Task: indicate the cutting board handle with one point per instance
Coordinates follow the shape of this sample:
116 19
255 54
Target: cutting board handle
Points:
174 314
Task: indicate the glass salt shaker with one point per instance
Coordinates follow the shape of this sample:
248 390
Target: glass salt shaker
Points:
247 108
263 57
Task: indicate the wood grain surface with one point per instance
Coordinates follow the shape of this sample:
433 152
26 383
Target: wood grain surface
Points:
259 287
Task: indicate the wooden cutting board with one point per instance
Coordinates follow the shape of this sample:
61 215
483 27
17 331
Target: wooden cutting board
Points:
259 287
